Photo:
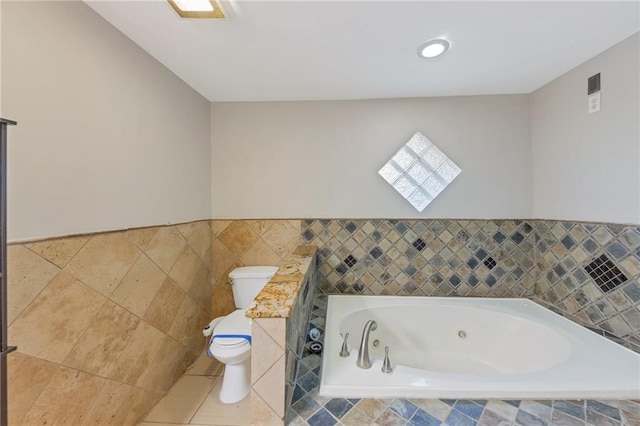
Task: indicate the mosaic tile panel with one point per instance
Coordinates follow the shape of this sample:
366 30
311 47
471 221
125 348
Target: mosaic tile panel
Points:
591 274
424 257
309 408
297 325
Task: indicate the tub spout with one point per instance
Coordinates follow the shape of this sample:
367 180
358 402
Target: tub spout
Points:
363 355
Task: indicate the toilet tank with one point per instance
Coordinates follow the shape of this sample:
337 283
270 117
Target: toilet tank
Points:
247 281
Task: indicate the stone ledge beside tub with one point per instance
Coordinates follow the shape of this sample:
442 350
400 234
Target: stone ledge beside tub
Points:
277 298
280 316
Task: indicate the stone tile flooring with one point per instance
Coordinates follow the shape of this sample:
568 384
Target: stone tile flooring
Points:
193 400
308 408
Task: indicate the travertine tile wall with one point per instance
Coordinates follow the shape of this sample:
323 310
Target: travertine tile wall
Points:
104 323
247 243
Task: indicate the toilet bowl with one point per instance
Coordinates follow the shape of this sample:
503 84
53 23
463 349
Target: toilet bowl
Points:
230 336
235 353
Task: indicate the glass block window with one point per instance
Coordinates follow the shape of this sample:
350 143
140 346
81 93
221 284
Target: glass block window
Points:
419 171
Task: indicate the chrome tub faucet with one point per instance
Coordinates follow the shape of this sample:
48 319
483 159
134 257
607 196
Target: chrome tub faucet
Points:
363 355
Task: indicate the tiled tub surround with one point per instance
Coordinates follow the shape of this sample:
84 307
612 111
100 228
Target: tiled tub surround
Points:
424 257
247 243
544 260
308 408
280 317
104 323
610 302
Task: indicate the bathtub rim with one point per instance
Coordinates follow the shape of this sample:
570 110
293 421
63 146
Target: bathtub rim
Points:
454 386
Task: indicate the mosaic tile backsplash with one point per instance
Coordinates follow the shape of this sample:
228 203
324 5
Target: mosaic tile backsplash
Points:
587 272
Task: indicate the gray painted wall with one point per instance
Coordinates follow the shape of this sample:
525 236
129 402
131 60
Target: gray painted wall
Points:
320 159
587 166
108 138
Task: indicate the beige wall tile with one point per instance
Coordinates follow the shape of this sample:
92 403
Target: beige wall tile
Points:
222 260
222 295
186 228
165 247
202 289
221 300
165 305
103 261
262 414
264 352
217 226
208 260
26 378
104 340
260 254
141 237
296 223
59 251
168 364
28 275
187 269
276 328
260 226
205 366
138 356
112 405
270 387
65 400
198 235
141 403
282 237
187 328
238 237
139 286
68 320
53 322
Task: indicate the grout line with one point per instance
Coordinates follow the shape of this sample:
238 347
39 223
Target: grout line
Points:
213 384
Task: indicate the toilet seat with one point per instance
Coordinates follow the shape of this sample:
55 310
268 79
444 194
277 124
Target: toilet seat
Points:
234 331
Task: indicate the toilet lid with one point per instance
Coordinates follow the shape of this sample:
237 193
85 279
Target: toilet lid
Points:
235 329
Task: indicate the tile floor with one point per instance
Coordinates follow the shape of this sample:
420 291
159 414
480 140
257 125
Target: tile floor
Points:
193 400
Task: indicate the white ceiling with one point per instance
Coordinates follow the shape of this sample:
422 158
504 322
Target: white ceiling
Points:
308 50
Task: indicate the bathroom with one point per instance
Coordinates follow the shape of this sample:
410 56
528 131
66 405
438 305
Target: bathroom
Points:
125 218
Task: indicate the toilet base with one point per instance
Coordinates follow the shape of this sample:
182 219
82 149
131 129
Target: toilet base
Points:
236 382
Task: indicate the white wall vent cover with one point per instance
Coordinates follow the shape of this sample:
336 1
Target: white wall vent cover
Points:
419 171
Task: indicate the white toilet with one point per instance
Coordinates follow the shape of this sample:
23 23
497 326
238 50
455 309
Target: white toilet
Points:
230 341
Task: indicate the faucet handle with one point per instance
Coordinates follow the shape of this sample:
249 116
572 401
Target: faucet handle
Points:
344 352
386 365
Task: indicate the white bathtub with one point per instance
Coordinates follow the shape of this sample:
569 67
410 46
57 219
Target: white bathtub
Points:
471 348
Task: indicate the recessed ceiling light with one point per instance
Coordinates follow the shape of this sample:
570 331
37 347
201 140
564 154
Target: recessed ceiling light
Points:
433 48
197 8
